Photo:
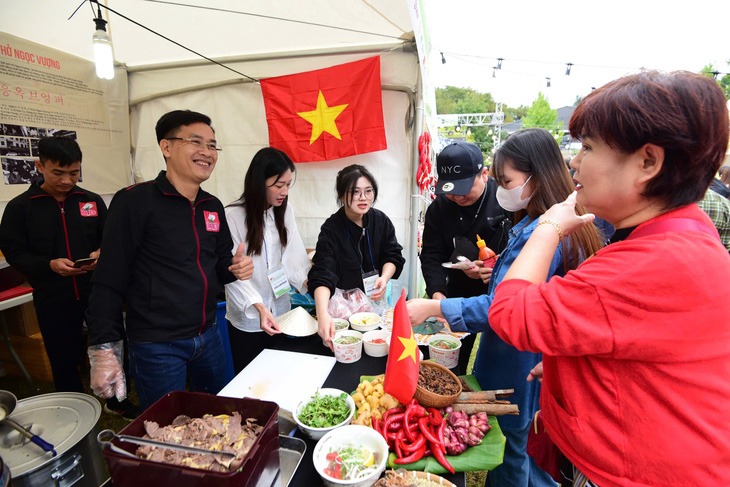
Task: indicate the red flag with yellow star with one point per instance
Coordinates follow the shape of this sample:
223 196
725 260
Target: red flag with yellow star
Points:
328 113
401 371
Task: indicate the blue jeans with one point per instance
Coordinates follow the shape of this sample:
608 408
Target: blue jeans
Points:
518 468
162 367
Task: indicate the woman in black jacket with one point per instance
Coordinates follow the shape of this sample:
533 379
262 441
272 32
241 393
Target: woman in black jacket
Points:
356 246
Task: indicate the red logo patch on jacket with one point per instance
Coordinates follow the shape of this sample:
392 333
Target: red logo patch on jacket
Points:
212 223
88 209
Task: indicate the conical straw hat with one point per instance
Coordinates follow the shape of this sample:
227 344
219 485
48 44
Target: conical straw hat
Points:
297 323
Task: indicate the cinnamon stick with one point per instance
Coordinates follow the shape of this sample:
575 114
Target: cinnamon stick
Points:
484 395
489 408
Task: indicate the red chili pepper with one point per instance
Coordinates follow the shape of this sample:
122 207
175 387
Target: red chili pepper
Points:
426 430
392 411
413 457
420 441
398 443
331 456
439 455
434 417
391 435
420 411
376 424
407 422
391 419
328 471
440 435
395 425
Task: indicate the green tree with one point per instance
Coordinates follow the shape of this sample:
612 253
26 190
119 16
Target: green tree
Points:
541 115
466 100
724 82
578 99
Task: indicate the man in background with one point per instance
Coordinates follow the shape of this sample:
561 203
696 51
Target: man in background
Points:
52 234
466 207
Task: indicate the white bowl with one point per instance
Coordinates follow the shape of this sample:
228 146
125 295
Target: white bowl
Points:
350 435
340 324
356 321
317 433
376 349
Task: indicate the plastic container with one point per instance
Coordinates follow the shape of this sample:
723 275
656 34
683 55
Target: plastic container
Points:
448 357
259 468
350 352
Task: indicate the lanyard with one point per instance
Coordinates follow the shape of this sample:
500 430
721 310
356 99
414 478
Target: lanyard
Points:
370 248
266 251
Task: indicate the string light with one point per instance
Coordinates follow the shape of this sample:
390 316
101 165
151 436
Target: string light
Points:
567 71
443 59
103 56
548 82
499 62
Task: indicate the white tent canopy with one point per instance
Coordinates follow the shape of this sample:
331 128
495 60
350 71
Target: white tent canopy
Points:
258 39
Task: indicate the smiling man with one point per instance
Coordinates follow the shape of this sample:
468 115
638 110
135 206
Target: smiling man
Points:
167 252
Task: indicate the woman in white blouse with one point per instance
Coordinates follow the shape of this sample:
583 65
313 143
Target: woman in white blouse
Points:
263 221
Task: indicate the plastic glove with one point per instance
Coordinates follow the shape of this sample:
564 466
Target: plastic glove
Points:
107 376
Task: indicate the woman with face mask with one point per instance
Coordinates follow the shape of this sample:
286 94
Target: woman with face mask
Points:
264 222
532 176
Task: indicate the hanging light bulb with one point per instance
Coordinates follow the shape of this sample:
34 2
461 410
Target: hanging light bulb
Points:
494 71
567 71
103 56
548 82
443 59
499 62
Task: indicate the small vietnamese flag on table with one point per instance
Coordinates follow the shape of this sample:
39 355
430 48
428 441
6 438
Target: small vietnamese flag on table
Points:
401 371
328 113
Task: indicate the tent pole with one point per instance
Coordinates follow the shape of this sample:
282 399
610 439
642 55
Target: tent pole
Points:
415 193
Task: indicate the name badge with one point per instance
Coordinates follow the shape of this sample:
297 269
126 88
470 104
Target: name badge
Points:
368 281
279 283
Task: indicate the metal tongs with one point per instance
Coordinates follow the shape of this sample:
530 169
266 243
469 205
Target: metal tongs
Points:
105 440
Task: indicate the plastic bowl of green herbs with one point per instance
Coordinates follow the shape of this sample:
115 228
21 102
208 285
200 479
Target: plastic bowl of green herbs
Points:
324 411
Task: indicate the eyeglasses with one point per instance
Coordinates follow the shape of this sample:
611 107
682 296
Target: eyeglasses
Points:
368 193
197 143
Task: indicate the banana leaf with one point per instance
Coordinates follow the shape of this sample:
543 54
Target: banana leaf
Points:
485 456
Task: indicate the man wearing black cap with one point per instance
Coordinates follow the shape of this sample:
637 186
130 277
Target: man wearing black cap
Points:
466 207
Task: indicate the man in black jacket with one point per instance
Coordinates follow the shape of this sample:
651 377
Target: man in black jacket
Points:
44 231
166 252
466 207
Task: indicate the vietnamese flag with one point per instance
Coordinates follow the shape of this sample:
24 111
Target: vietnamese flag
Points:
328 113
401 371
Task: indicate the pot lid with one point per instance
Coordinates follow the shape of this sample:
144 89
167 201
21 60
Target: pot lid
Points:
61 418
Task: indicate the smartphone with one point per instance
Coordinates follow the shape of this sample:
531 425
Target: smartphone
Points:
82 262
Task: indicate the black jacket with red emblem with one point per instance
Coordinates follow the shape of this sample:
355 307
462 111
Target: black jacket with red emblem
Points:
167 257
36 229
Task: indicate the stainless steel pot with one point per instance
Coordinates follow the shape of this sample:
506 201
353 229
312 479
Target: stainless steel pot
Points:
68 420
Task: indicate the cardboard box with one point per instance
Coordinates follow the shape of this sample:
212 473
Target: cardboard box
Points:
32 353
22 320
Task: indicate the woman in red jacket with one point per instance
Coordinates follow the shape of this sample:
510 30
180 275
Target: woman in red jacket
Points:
636 341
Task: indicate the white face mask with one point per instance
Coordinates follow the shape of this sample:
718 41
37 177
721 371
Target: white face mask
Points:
511 199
